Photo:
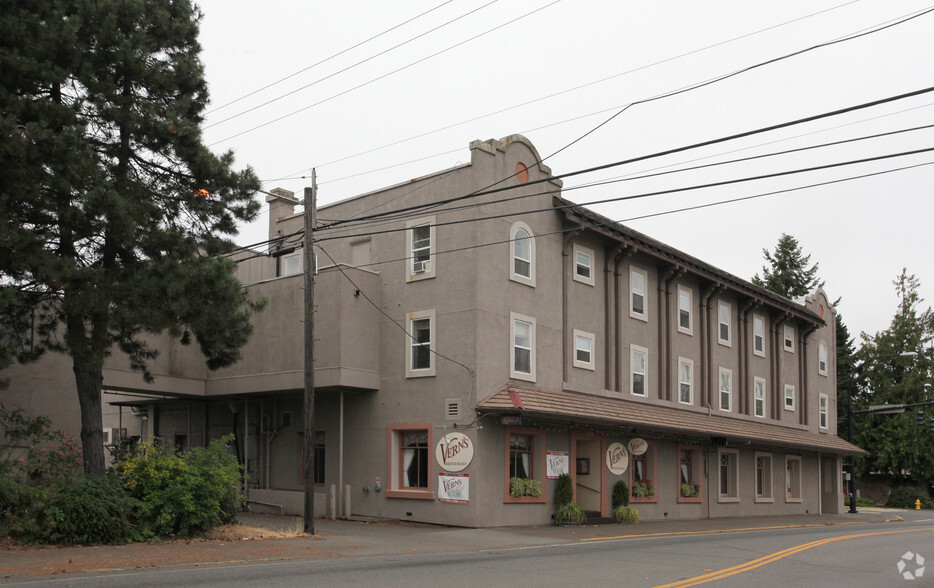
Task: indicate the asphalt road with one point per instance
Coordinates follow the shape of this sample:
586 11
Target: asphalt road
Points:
839 555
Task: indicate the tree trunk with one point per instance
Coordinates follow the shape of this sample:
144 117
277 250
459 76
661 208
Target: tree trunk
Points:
89 379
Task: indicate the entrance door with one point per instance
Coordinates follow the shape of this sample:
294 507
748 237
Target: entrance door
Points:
830 492
588 476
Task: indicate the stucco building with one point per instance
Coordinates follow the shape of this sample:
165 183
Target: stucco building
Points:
510 333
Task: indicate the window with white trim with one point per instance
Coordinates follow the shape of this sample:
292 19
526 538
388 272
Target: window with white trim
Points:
789 339
583 264
822 359
685 313
420 336
764 477
522 335
291 264
724 317
758 393
583 350
685 380
728 478
420 239
758 335
824 401
726 389
410 463
793 478
638 281
789 397
523 254
638 359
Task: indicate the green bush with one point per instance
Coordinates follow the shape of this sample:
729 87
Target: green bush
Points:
626 514
519 487
91 510
184 494
860 501
564 490
570 514
905 497
620 494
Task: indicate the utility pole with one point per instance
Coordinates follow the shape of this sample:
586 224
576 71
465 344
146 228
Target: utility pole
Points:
309 401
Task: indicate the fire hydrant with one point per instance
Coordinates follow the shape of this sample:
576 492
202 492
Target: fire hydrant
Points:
918 504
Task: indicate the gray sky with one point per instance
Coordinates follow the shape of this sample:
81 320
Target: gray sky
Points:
377 114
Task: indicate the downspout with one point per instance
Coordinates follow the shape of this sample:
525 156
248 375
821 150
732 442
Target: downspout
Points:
340 464
568 238
777 392
705 344
664 334
618 334
608 335
803 375
744 356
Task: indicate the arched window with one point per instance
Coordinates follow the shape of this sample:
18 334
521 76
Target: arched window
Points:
522 254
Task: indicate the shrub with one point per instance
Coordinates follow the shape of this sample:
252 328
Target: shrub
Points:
183 494
860 501
905 497
519 487
570 514
564 490
626 514
620 494
643 489
90 510
690 490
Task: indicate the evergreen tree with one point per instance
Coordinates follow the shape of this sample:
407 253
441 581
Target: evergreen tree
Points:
787 272
846 367
113 210
899 445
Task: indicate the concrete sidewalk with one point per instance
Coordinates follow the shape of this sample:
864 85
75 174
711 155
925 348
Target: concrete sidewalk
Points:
338 539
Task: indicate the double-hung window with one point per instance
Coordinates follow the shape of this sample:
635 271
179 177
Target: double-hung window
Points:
638 358
638 281
758 335
583 264
685 381
583 350
729 475
824 400
420 339
523 255
685 314
410 463
724 334
822 359
763 477
789 339
420 239
523 347
525 452
789 397
690 471
758 386
726 390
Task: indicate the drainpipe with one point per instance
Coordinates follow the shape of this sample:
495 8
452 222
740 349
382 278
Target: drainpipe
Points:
618 335
664 333
706 344
743 387
803 374
607 309
777 393
568 238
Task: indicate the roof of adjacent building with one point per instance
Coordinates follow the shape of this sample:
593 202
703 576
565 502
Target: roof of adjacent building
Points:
590 220
643 417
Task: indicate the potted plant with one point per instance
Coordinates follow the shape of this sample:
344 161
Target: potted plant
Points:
643 489
519 487
626 514
690 490
620 494
566 511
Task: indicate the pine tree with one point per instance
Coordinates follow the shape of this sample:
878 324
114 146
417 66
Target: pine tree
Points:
899 445
787 272
846 366
113 210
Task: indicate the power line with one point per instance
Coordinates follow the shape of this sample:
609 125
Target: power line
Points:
395 71
350 67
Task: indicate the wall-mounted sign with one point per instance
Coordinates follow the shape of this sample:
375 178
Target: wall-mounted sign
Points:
511 420
454 452
454 488
557 464
617 459
638 446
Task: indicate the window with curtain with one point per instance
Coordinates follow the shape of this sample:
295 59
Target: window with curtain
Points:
520 456
414 447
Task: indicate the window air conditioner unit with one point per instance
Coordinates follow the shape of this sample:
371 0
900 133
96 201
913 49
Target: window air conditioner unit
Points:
421 267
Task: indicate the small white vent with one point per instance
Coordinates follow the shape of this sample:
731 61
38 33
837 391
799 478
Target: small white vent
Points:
107 440
452 409
285 420
420 267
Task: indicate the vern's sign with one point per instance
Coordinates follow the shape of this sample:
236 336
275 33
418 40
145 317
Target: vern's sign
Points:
454 452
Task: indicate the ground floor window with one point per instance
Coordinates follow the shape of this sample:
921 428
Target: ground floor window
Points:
689 473
409 461
793 478
525 465
318 449
729 475
763 477
642 476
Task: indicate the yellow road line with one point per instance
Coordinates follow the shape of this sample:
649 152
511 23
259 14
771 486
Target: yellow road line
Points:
756 563
708 532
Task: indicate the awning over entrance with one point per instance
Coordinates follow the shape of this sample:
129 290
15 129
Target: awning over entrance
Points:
609 412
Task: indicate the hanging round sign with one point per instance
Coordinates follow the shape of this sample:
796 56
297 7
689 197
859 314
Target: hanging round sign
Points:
638 446
617 459
454 452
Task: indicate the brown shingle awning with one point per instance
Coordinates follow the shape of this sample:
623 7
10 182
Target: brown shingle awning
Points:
606 411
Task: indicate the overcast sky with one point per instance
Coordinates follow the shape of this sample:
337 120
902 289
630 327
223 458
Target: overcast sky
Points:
368 114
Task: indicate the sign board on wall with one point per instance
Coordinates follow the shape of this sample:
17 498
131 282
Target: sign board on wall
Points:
454 488
617 459
557 464
454 452
638 446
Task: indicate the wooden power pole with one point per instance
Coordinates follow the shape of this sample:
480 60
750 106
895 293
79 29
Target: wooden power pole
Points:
309 401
